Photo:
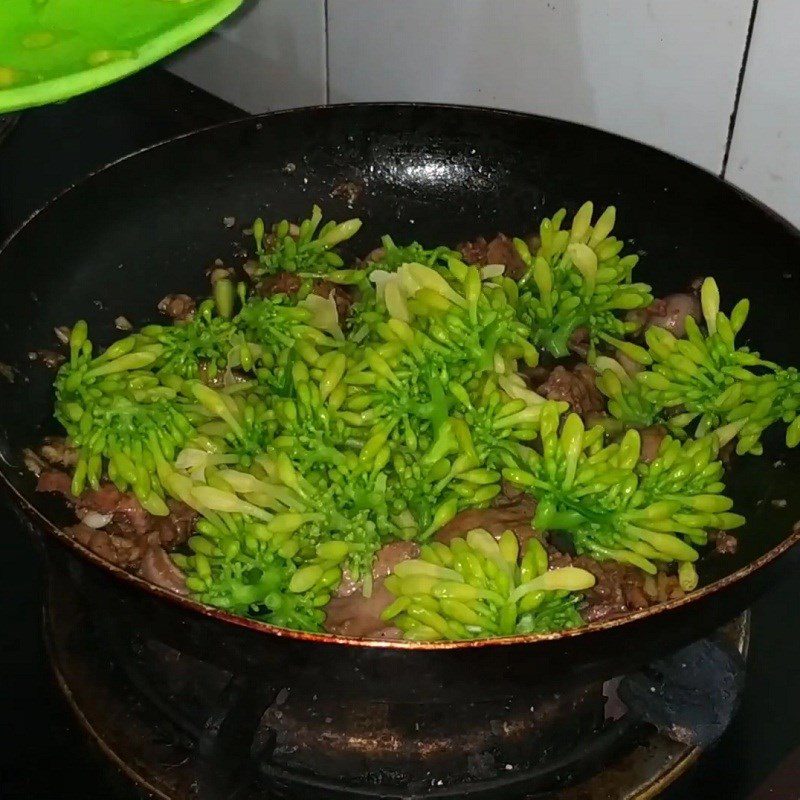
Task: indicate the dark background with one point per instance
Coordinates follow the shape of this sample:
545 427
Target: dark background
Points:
44 756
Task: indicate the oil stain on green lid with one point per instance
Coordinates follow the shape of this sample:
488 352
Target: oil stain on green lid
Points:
51 50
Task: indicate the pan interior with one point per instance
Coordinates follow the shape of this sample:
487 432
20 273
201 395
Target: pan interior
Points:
153 223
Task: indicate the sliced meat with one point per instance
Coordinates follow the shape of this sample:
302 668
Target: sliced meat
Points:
557 556
536 376
651 441
360 617
117 549
635 596
158 568
511 495
576 386
669 312
341 296
54 480
386 559
128 520
620 589
175 529
177 306
390 555
352 614
515 516
501 250
126 509
348 585
474 252
282 283
288 283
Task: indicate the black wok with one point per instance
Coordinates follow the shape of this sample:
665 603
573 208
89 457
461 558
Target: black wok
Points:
150 223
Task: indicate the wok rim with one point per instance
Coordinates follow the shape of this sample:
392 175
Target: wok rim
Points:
41 522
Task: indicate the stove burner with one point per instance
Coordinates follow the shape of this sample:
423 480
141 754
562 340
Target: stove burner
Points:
183 729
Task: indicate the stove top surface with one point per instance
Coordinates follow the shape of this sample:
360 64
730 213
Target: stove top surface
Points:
46 754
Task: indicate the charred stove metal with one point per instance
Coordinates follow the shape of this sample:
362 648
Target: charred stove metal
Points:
183 728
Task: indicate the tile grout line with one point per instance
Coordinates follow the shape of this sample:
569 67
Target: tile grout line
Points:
327 57
738 96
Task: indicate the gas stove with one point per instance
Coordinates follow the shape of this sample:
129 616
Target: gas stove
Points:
184 729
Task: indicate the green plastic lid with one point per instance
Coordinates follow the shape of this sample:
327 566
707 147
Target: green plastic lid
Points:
51 50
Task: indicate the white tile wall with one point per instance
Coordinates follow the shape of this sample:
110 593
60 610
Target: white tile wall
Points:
661 71
765 152
269 56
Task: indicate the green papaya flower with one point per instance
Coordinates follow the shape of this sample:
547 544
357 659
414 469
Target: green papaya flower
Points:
616 507
305 443
478 587
304 248
577 279
705 382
